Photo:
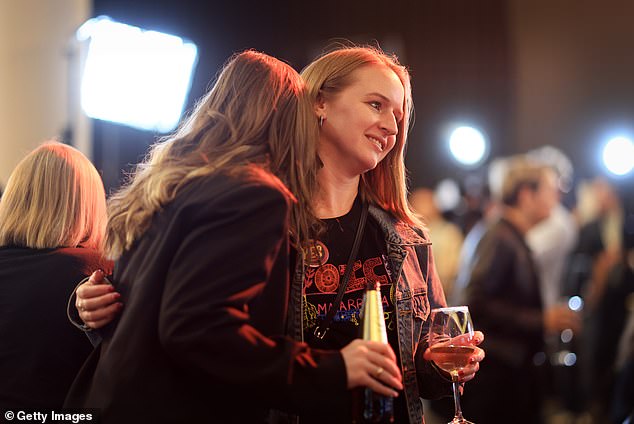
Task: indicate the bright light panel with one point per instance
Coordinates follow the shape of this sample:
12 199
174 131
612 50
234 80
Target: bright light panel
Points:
135 77
618 155
467 145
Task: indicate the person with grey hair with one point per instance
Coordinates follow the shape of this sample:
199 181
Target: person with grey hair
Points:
553 239
504 296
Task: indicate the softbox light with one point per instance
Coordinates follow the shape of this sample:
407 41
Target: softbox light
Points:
135 77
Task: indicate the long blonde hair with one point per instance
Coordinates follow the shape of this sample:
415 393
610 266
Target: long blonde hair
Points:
256 113
54 198
385 185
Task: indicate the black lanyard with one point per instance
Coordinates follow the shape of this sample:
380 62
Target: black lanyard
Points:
321 329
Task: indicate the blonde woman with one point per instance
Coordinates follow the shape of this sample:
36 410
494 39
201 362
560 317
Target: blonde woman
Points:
362 103
200 235
52 225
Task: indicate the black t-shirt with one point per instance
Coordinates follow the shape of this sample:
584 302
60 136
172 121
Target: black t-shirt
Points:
325 265
324 271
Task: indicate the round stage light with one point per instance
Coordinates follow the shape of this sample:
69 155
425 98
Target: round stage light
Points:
618 156
467 145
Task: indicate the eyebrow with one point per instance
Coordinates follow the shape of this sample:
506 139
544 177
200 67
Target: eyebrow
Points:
387 99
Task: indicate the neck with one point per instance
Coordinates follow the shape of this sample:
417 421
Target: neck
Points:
336 194
518 219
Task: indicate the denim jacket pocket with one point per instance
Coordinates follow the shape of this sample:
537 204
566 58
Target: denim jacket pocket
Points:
420 305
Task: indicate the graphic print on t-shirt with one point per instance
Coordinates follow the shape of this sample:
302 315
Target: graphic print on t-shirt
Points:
325 281
323 277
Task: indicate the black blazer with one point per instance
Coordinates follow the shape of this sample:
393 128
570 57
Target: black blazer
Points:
40 351
504 296
211 268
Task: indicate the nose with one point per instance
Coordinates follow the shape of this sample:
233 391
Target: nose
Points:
389 125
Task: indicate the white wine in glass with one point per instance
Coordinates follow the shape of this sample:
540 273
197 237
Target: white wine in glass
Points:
450 344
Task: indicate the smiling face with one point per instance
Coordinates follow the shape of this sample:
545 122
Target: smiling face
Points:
361 121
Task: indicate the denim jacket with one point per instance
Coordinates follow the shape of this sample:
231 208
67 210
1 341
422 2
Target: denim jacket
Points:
418 290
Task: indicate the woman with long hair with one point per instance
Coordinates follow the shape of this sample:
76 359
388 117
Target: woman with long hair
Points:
52 224
363 104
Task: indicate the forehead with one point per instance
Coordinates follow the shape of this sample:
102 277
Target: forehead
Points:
548 177
378 79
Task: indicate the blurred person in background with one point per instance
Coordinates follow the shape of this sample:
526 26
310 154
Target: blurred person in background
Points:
600 272
599 213
552 240
622 400
52 225
446 237
505 298
488 213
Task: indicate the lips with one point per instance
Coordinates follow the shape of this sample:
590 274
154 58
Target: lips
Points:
378 142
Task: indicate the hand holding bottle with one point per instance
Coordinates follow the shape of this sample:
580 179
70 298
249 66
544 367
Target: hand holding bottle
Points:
372 364
373 404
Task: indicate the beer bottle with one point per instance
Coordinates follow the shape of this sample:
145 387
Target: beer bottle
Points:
370 407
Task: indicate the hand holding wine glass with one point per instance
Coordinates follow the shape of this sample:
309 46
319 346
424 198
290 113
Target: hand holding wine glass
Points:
453 348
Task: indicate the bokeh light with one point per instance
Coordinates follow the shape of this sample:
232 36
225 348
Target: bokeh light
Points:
618 156
468 145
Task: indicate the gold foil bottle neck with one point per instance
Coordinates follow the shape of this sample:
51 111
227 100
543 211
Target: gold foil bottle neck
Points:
373 319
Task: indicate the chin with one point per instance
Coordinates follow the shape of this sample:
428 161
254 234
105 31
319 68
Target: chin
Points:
373 163
369 168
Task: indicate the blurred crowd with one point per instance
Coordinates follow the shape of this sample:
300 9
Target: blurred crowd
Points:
534 260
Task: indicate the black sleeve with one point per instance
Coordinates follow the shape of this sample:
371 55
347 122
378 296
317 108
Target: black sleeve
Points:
224 260
490 276
73 316
93 262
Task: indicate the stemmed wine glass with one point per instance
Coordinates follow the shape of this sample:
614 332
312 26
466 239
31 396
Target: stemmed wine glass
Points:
450 336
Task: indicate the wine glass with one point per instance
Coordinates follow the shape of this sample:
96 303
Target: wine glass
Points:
450 344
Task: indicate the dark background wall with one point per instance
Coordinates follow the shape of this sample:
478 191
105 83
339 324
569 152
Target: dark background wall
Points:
526 73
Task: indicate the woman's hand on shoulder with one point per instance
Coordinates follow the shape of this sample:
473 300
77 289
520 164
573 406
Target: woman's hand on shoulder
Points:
97 301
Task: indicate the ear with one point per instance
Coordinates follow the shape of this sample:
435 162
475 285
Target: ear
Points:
320 106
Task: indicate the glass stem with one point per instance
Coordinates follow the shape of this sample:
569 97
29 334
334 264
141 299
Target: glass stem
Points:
456 399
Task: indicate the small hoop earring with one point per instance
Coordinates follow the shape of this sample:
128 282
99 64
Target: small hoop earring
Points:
321 121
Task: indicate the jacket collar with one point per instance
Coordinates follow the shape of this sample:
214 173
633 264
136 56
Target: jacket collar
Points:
397 232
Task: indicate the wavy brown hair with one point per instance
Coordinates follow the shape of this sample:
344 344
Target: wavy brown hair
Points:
54 198
325 77
256 113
